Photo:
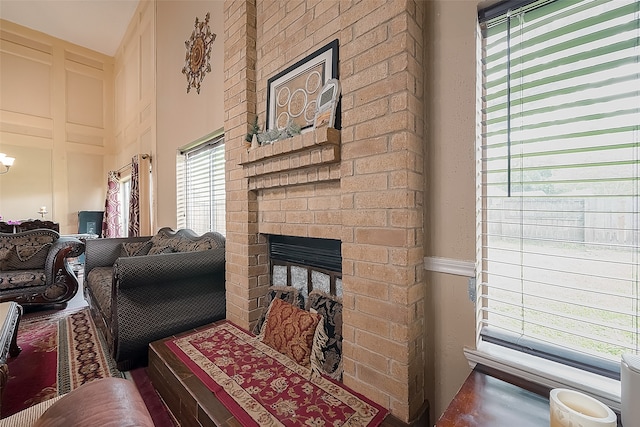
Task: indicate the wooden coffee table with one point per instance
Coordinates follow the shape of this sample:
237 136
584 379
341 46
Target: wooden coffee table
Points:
10 313
189 400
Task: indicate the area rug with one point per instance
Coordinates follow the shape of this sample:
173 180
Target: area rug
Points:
262 387
61 350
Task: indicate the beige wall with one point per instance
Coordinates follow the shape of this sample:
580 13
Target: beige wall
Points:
56 121
183 117
69 115
134 105
450 224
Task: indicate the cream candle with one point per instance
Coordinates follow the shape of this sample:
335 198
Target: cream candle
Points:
571 408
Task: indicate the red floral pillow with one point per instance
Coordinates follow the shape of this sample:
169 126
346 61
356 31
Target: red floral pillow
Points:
290 331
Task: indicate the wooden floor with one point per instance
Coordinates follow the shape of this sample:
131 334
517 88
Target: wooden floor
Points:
191 402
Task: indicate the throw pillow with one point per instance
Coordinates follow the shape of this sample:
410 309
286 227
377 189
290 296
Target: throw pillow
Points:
290 331
187 245
285 293
159 243
34 261
155 250
328 357
134 248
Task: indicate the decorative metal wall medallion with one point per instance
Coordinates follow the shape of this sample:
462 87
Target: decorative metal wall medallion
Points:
196 61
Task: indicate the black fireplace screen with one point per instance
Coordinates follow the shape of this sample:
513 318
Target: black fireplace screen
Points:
306 264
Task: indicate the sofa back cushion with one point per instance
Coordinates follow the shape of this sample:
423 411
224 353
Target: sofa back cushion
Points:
135 248
35 261
27 250
167 241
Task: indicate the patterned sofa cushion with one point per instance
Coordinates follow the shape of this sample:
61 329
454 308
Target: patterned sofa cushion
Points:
291 331
100 278
22 278
135 248
164 243
330 354
285 293
22 247
33 261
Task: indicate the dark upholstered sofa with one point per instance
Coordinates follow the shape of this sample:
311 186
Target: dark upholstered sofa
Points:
34 267
141 289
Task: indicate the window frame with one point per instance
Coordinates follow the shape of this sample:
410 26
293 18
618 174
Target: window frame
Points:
212 141
538 367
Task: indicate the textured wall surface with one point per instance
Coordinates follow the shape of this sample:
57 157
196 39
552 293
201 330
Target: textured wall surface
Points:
370 196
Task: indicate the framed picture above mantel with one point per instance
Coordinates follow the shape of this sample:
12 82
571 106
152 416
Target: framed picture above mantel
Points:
292 93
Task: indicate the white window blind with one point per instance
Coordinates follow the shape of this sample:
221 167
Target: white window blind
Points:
201 194
559 181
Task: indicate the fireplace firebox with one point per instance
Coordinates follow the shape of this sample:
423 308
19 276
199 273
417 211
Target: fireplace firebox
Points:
306 264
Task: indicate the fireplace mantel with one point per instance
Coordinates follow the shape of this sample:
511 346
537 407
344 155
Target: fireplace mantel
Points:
310 157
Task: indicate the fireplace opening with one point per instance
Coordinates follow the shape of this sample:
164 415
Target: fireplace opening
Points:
306 263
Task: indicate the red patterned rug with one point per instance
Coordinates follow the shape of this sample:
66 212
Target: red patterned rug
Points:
61 350
261 386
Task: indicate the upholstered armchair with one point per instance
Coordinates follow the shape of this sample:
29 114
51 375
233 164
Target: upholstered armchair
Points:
34 268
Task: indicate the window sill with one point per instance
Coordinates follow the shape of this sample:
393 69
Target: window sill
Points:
545 372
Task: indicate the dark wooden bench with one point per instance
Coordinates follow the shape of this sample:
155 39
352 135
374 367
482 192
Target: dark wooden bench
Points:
192 403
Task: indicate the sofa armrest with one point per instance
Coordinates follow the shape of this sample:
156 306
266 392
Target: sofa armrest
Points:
130 272
102 402
105 252
62 248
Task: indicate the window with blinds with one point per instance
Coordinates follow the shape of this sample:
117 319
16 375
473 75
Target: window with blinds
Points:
124 196
559 180
201 187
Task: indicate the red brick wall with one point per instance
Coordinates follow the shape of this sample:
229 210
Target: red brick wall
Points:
367 192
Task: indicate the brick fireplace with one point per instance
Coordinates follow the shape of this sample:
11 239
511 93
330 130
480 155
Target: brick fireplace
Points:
361 185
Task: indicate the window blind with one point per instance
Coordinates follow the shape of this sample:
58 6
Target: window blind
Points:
559 181
204 187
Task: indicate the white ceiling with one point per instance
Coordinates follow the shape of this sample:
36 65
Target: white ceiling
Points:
95 24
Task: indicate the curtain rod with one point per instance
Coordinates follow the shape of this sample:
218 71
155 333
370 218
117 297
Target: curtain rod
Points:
144 156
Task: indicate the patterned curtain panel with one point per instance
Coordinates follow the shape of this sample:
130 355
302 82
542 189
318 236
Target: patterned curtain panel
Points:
134 201
111 221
